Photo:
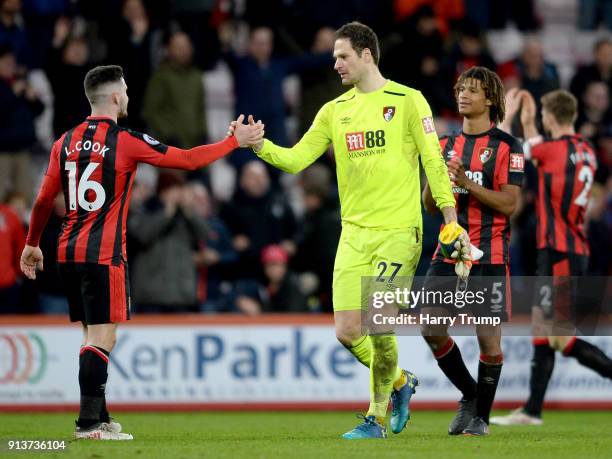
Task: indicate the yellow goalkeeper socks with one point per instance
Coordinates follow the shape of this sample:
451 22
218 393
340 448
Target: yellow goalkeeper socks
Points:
401 379
383 372
362 350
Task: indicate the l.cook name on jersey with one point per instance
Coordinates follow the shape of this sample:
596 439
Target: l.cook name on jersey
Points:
88 145
363 143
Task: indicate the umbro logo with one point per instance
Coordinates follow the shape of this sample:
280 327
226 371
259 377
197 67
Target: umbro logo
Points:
345 120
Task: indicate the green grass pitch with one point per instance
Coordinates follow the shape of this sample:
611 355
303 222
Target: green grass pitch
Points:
294 435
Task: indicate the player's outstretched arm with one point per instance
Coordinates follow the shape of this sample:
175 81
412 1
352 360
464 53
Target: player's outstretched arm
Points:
143 148
312 145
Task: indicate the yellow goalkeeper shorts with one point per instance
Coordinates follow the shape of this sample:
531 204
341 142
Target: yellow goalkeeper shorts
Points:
368 256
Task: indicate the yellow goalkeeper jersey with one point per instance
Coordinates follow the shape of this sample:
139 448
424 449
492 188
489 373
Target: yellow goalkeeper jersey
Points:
377 139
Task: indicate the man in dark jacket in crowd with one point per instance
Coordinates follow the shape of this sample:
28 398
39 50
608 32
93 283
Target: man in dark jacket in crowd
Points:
258 217
20 106
169 231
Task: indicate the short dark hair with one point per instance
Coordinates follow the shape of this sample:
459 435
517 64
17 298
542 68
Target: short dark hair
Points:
361 37
562 105
99 76
492 86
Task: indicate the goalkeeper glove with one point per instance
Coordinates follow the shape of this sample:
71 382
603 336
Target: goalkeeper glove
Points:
452 245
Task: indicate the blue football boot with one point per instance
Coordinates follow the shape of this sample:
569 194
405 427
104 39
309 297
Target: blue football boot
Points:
400 400
369 429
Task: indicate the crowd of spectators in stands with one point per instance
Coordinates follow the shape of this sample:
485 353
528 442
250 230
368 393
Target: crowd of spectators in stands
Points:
267 244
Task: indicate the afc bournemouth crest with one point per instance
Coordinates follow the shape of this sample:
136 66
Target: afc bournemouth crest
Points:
388 113
485 154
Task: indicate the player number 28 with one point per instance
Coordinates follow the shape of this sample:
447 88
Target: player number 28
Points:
79 192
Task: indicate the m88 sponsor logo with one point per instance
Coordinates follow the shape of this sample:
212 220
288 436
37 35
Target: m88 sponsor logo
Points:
364 139
23 358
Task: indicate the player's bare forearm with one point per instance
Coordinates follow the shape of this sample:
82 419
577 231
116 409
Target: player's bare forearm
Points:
504 201
530 130
449 213
428 201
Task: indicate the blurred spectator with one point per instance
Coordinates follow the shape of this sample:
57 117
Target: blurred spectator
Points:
599 70
40 17
599 228
196 20
317 250
13 33
591 13
594 114
603 145
521 12
538 76
258 217
318 85
258 85
469 50
51 294
169 231
446 11
533 73
20 106
215 255
280 291
12 241
67 65
425 59
132 46
174 100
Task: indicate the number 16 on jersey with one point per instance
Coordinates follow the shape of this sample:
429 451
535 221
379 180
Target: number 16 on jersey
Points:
79 191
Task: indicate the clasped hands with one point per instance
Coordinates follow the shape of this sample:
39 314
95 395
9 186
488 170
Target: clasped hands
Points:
248 135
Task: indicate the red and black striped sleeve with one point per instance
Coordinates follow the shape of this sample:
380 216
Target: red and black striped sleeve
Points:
540 152
43 205
143 148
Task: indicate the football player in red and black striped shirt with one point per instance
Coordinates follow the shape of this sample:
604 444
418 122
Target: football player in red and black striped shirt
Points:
94 164
566 166
486 166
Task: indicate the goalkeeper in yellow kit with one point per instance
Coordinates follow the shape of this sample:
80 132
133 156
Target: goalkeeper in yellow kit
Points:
378 129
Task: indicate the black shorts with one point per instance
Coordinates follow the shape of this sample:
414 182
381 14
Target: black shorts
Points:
489 284
557 287
97 294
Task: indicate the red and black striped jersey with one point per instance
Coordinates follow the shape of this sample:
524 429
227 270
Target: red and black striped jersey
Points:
566 169
491 159
94 164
